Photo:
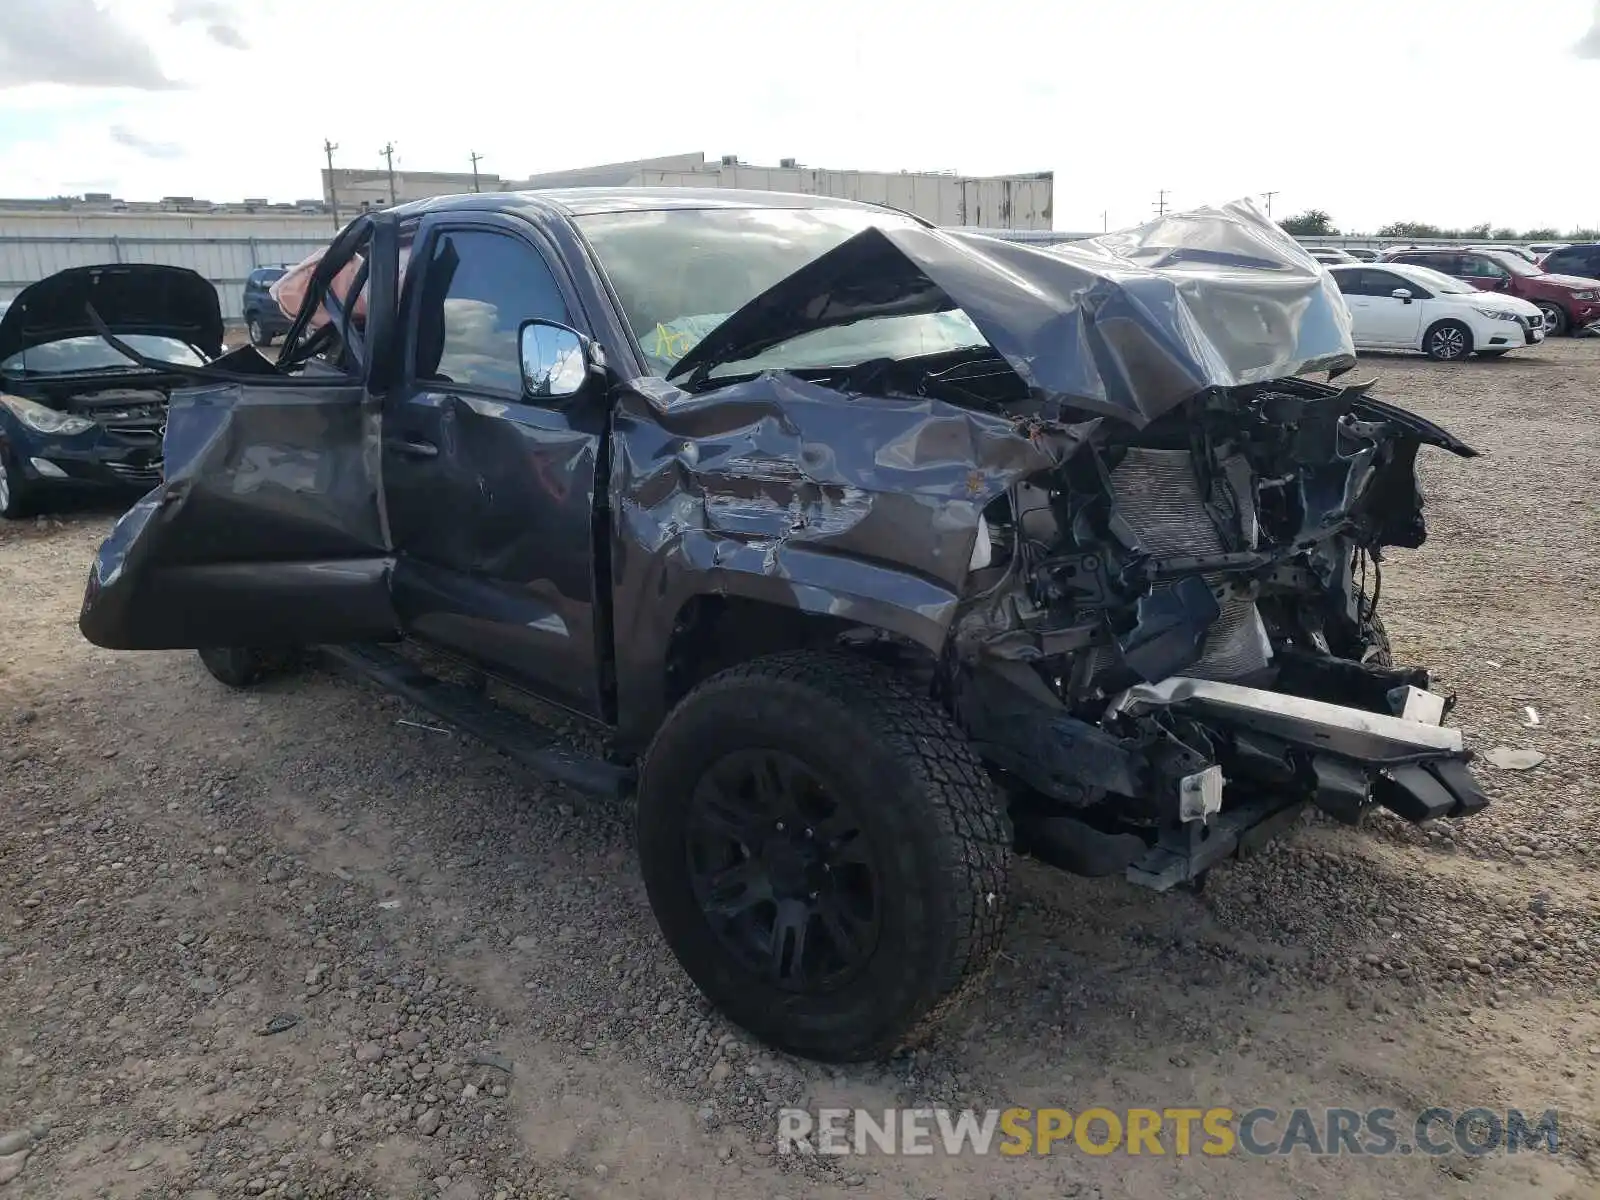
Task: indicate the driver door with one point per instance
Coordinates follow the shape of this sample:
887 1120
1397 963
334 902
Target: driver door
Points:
268 527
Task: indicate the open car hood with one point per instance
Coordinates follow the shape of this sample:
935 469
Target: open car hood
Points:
132 298
1128 325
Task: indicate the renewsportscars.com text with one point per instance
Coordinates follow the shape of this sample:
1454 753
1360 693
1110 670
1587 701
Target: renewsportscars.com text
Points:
1177 1131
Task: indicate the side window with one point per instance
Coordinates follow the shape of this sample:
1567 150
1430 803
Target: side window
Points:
1439 262
1564 262
1383 283
1583 262
1355 283
1476 266
479 288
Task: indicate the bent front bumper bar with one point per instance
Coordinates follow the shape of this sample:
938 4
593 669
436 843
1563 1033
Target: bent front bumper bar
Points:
1415 768
1316 724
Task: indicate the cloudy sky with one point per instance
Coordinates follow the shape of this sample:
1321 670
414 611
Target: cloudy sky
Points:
1450 111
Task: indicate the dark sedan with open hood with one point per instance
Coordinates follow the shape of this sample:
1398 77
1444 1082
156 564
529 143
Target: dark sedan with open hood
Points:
75 413
874 551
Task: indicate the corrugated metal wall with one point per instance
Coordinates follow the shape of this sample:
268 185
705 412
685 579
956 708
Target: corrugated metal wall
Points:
222 248
224 261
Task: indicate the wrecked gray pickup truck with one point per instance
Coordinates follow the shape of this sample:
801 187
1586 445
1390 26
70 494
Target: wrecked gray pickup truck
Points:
873 551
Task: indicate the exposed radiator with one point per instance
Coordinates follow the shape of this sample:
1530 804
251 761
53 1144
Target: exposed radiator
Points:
1158 498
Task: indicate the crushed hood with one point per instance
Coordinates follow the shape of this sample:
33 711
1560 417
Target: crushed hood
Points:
1128 325
132 298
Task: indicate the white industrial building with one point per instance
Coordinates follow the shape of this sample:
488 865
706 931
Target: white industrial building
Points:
945 198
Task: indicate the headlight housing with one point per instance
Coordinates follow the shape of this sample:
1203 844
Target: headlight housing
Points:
1495 314
1590 295
45 420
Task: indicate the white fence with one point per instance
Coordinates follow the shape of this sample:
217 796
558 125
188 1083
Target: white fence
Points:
225 261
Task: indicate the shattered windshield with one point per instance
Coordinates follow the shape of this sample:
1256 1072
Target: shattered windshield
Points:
680 273
93 353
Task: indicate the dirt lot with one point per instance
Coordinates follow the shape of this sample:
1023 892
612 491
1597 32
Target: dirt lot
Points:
483 1008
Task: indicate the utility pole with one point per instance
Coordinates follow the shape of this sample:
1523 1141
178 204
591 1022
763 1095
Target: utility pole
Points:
476 159
388 158
1105 218
1161 203
328 148
1268 197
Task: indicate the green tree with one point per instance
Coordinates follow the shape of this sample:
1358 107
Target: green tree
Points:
1410 229
1541 235
1311 223
1585 235
1505 234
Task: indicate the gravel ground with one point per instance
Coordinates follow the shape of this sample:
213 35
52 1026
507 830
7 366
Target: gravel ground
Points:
285 943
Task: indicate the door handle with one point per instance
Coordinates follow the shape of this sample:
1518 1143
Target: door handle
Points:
414 449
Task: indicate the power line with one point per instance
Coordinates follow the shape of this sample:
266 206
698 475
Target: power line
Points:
328 148
476 159
388 157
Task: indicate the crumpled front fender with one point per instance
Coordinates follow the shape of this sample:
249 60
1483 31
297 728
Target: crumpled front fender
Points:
789 493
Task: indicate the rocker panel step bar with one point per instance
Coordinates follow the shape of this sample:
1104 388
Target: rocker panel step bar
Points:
515 736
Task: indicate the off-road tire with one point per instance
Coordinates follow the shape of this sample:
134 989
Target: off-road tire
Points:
1374 637
1440 346
244 666
939 837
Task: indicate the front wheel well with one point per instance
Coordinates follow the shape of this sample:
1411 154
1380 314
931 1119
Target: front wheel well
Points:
713 633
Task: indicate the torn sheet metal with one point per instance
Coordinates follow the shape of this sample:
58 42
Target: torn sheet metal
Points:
777 489
1128 325
268 519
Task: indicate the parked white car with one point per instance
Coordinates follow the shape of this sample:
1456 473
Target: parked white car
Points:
1397 306
1328 255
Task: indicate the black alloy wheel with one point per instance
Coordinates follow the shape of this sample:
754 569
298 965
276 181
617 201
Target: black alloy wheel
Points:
1449 341
782 870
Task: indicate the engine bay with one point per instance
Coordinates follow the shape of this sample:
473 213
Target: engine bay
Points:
1182 620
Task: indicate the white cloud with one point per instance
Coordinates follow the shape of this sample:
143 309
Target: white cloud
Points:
219 21
1211 100
1589 45
124 136
75 42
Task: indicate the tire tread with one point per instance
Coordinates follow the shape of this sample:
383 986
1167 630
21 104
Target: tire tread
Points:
959 797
